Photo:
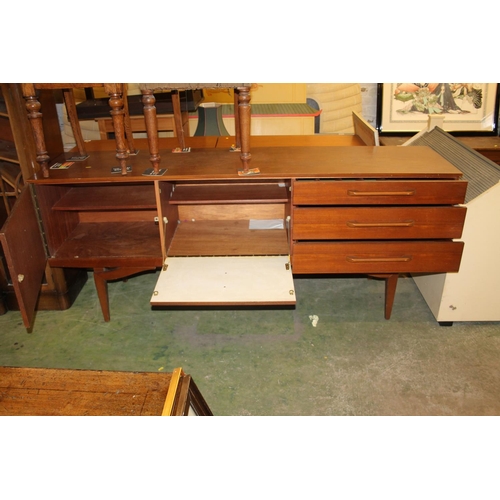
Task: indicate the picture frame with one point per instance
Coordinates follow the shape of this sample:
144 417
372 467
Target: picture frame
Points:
469 108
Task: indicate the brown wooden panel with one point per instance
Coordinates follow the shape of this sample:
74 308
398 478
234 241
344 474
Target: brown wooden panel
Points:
57 224
114 197
229 193
232 212
227 238
5 129
376 257
25 254
315 223
59 392
36 391
378 193
107 244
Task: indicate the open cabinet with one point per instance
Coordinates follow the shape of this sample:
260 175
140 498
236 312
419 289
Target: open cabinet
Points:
229 244
222 239
215 243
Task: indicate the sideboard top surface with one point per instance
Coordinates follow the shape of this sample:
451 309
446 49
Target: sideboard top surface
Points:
273 163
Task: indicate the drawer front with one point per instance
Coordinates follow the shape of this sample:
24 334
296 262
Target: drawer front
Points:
375 223
376 257
338 192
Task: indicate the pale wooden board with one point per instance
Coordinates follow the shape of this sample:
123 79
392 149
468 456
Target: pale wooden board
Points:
244 280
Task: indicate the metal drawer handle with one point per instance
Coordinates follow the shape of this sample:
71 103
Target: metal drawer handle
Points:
378 259
409 192
407 223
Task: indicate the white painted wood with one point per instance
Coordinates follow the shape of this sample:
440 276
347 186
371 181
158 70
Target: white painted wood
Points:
244 280
472 294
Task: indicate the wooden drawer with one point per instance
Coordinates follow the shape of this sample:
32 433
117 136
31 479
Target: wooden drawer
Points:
393 192
376 257
344 223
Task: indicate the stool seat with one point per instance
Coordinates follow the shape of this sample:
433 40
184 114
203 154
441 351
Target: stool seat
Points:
190 86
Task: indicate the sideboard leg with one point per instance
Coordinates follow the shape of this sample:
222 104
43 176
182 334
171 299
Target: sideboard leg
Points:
390 291
391 282
101 277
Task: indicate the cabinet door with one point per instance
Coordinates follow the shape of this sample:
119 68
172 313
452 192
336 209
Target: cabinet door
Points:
228 281
25 254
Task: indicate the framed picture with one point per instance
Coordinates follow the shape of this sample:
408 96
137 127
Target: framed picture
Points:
468 108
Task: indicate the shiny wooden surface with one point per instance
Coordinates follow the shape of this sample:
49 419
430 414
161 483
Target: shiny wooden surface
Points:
273 162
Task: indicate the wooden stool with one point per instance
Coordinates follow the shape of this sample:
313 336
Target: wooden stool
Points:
241 113
119 114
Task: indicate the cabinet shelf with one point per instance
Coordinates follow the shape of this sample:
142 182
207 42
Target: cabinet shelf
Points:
223 237
106 244
99 198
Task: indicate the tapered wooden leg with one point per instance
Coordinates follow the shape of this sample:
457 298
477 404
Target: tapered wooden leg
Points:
35 116
148 101
179 129
69 101
128 126
244 120
103 275
390 291
391 282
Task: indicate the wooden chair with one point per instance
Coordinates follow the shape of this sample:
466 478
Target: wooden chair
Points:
118 112
11 183
242 112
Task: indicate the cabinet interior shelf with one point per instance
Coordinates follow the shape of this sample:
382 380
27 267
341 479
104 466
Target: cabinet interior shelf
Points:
115 241
226 237
136 197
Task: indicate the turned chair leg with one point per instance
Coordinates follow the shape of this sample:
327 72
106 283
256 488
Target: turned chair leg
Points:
149 110
244 111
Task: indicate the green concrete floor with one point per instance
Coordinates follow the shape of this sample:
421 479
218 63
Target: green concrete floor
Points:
275 362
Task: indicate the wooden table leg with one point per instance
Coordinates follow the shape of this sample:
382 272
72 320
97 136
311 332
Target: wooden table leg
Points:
148 101
179 129
69 101
237 128
128 126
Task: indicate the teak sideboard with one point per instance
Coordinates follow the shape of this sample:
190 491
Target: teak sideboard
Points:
220 238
